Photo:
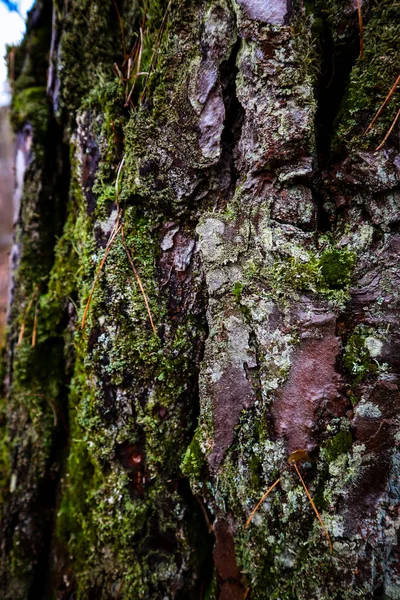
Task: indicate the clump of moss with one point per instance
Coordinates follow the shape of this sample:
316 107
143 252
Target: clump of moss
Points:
356 357
237 291
193 460
328 274
297 274
339 444
371 80
336 266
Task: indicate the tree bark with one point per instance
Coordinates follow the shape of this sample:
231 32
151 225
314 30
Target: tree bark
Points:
205 285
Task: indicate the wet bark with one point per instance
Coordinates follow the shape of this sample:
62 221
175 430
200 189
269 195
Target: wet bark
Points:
253 220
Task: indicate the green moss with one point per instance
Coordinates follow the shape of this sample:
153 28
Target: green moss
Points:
356 357
328 274
4 448
336 267
237 291
29 100
193 459
30 105
371 80
339 444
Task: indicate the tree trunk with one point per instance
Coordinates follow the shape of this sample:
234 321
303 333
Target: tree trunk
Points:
205 284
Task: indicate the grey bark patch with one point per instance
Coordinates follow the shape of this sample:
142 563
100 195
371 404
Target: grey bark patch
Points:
228 357
169 231
205 92
266 11
212 124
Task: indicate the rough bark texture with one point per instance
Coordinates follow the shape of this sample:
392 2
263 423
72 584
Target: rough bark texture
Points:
264 228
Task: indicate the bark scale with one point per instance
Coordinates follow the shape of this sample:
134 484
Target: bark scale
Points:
264 228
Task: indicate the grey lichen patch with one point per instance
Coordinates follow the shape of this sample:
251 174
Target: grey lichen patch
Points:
219 242
361 352
273 13
224 379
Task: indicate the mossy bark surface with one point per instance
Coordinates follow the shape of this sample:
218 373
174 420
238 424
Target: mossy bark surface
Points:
262 226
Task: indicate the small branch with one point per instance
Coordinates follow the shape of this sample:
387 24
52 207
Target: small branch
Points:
389 132
386 101
314 507
261 501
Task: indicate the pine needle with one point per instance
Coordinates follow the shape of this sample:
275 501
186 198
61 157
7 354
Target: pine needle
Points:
206 518
34 331
386 101
314 507
261 501
21 333
155 49
121 26
138 281
120 588
139 60
121 164
360 24
28 308
389 132
113 235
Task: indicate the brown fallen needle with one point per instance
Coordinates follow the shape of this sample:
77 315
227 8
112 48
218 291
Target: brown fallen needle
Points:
314 507
121 25
128 254
295 457
389 131
155 50
34 331
261 501
28 308
360 24
112 237
118 227
384 104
